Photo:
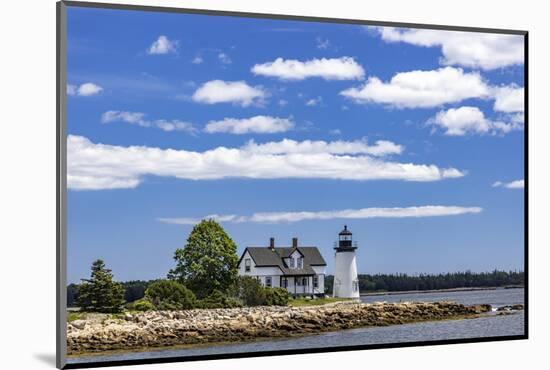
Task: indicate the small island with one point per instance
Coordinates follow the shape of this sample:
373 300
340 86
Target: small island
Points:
211 297
103 332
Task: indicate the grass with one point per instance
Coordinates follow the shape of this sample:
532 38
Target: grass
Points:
82 315
72 316
300 302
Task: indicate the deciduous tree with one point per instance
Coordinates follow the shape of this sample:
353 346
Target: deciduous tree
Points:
208 261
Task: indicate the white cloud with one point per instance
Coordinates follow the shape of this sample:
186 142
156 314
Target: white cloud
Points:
322 44
89 89
335 131
283 103
421 89
509 99
99 166
86 89
163 46
287 146
257 124
517 184
71 89
363 213
470 120
224 58
469 49
236 92
344 68
197 60
315 101
137 118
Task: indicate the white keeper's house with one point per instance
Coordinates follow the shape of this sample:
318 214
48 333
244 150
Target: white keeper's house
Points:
299 269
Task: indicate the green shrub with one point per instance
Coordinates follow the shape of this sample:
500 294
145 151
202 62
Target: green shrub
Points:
217 299
276 297
170 295
250 291
140 305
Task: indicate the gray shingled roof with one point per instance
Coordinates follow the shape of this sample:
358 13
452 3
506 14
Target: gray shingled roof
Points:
264 256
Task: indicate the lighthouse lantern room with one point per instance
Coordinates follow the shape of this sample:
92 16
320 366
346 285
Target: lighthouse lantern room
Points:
346 283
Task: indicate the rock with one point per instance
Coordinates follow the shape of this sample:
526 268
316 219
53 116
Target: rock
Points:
155 329
515 307
481 308
79 324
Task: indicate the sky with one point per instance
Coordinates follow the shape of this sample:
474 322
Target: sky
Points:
412 138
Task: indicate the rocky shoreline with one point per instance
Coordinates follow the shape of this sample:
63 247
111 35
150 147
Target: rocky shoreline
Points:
102 332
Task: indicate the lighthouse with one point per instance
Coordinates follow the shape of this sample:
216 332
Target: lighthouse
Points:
346 283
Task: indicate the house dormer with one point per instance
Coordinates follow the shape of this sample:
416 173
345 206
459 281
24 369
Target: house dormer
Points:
295 260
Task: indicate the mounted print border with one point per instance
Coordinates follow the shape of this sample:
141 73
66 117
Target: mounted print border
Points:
300 270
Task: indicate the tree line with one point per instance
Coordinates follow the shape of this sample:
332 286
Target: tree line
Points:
404 282
204 276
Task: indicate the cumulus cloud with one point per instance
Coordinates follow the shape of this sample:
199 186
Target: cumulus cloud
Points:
257 124
137 118
362 213
517 184
509 99
86 89
468 49
96 166
421 89
470 120
236 92
344 68
163 46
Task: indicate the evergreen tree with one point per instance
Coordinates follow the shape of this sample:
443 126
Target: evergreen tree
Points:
100 293
208 261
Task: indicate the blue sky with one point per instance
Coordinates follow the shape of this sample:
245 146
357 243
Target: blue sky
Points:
413 138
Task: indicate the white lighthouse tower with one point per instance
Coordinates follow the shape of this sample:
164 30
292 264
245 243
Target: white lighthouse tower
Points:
346 283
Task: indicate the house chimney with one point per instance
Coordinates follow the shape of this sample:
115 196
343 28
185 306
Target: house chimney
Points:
295 242
271 243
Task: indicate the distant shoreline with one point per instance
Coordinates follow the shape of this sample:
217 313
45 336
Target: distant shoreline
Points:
471 289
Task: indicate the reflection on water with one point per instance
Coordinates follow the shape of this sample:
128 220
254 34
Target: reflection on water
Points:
489 326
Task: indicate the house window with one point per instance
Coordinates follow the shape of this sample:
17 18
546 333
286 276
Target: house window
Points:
268 281
298 281
247 265
304 281
300 262
285 282
291 260
316 281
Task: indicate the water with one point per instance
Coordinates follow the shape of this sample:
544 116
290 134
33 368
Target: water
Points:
488 326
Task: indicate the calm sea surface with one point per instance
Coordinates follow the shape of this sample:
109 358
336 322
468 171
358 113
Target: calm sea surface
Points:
489 326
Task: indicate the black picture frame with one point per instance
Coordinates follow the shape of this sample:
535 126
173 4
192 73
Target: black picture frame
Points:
61 185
